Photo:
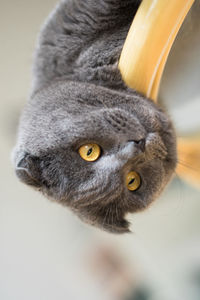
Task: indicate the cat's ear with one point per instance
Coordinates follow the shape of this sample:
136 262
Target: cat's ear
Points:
28 170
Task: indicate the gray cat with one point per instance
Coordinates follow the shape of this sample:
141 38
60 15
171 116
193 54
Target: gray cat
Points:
79 99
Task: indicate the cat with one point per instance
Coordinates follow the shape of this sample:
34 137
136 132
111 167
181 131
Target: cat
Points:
78 97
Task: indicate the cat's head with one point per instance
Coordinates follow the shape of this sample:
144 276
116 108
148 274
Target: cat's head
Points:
130 140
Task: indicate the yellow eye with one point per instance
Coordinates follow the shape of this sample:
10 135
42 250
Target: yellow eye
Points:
133 181
90 152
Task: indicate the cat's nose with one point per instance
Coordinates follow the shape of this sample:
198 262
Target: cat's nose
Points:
140 144
132 148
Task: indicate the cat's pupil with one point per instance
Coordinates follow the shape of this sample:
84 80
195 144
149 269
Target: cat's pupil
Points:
89 152
131 181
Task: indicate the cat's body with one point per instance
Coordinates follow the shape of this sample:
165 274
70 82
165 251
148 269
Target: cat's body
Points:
79 97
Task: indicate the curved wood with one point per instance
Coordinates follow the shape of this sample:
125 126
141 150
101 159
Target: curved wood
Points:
149 41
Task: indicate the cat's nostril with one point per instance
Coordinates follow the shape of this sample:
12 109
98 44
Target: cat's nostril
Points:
141 144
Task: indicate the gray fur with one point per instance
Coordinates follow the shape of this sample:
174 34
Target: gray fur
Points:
78 97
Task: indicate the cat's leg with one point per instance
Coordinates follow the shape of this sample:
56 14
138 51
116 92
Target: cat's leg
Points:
72 28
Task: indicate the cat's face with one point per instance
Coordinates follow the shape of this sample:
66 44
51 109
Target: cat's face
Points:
133 136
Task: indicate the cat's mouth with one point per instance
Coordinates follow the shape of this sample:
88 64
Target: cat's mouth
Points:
145 149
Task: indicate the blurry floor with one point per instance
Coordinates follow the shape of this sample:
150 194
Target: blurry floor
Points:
46 253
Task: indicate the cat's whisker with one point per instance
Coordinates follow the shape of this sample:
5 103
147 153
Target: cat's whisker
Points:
116 209
108 216
105 217
180 186
112 213
185 164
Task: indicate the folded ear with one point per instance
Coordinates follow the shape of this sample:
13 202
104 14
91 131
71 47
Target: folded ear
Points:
28 170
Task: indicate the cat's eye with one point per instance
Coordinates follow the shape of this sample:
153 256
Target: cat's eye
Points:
133 181
90 152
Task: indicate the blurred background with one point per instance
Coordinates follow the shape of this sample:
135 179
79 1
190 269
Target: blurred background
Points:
46 253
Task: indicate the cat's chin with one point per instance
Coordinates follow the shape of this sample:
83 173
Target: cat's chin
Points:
117 226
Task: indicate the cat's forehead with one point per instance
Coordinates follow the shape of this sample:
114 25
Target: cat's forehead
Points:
62 93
